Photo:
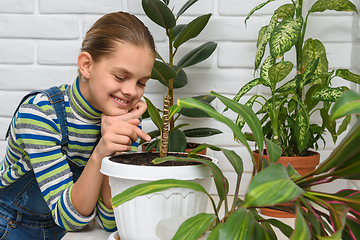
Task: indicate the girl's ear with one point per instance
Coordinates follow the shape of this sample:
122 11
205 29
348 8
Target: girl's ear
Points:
84 63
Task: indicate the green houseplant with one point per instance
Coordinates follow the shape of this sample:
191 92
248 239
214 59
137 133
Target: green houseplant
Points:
319 215
172 75
298 89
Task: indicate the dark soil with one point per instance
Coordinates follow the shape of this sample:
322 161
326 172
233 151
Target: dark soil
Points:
145 159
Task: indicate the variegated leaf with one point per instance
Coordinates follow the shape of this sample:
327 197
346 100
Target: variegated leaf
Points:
347 75
301 129
328 94
307 74
287 87
246 88
337 5
286 11
261 33
240 121
256 8
312 50
264 40
278 72
284 36
264 72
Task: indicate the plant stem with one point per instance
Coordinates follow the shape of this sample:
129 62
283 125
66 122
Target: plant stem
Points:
165 132
171 81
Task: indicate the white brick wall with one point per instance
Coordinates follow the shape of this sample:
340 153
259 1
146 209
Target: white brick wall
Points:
40 40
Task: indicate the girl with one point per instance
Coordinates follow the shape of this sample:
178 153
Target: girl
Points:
50 177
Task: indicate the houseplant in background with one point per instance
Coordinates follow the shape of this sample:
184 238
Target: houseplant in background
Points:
173 76
137 218
305 85
319 215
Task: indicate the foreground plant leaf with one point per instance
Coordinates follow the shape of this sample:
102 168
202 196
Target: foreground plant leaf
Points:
194 227
271 186
349 103
302 231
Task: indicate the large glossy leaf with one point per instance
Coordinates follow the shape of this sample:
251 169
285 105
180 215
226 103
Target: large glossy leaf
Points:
159 13
177 29
284 36
177 141
154 114
196 113
285 229
185 7
302 231
235 160
192 30
286 11
194 227
347 75
287 87
181 79
278 72
348 103
265 37
314 49
337 5
328 94
201 132
249 116
193 103
161 71
263 233
239 225
307 74
153 187
271 186
301 129
197 55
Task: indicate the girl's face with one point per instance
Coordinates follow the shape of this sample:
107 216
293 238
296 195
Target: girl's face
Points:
117 82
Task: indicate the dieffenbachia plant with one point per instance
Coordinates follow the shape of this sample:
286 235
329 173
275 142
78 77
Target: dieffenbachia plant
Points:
319 215
286 113
172 74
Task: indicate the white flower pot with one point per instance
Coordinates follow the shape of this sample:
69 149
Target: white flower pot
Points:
137 218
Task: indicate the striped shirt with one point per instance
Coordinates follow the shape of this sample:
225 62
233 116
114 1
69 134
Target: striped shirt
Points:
34 144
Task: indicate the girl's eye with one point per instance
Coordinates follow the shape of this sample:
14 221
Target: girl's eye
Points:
119 78
141 84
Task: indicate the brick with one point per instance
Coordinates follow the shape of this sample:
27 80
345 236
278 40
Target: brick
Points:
10 100
82 6
338 55
234 55
17 6
199 8
35 77
242 8
4 123
39 27
3 145
16 52
58 53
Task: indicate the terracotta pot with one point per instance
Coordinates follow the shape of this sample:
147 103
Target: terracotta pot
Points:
190 146
302 165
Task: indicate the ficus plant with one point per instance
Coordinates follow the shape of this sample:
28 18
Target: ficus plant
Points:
319 215
171 74
299 88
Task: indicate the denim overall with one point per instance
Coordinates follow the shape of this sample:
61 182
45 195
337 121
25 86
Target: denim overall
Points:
24 214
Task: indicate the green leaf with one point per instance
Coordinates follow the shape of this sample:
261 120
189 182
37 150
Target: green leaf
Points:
177 141
345 123
347 75
201 132
161 71
287 87
328 94
151 145
302 231
194 227
285 229
192 30
159 13
196 113
306 75
239 225
261 33
185 7
278 72
246 88
256 8
197 55
348 103
153 187
309 102
249 116
235 160
274 151
314 49
264 71
302 133
337 5
154 114
284 36
286 11
263 233
240 121
181 79
271 186
177 29
173 110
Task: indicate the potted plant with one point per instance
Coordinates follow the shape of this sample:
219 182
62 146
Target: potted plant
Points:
173 76
319 215
146 211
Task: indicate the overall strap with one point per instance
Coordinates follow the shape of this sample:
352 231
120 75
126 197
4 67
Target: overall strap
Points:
56 98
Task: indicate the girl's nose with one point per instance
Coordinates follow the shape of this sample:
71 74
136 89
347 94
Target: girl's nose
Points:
129 88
